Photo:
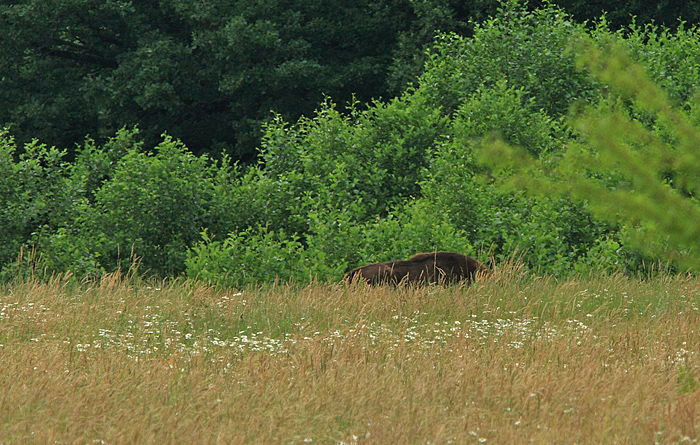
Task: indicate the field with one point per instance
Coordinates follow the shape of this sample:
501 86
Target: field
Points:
515 359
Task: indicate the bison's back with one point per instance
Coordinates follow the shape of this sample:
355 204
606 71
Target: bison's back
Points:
383 273
450 266
432 267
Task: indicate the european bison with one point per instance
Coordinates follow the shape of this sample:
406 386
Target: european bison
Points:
433 267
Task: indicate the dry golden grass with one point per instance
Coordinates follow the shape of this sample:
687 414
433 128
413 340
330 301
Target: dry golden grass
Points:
514 359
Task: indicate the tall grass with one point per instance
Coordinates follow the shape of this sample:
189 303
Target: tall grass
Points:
515 359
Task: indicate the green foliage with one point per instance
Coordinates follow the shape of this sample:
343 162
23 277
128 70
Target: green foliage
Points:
656 196
431 18
502 111
686 380
113 205
529 49
669 58
550 233
613 185
36 194
364 162
74 242
207 73
155 205
606 254
337 243
256 255
333 241
11 226
93 164
417 227
334 244
74 249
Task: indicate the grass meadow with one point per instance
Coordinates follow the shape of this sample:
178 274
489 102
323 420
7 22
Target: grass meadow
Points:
511 359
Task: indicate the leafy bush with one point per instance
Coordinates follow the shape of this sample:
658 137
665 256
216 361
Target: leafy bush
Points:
365 161
58 197
528 49
669 58
431 170
416 227
656 198
606 254
255 255
334 242
337 244
551 233
37 194
333 245
73 249
501 110
12 225
93 165
157 204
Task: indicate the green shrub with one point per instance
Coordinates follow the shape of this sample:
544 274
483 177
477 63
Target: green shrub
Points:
258 198
156 205
364 161
528 49
431 170
37 194
12 227
655 195
93 165
77 243
670 58
416 227
75 249
253 256
501 110
606 254
336 244
551 233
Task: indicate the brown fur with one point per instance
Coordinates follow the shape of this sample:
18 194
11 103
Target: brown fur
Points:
433 267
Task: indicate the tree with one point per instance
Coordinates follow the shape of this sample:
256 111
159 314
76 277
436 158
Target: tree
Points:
207 73
619 15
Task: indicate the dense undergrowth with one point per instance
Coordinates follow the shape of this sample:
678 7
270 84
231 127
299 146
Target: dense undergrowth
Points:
417 173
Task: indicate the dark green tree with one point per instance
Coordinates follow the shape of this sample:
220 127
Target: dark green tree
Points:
207 73
619 15
78 67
